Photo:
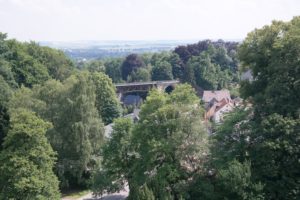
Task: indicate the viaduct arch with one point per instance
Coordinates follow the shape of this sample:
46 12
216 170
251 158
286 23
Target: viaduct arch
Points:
124 88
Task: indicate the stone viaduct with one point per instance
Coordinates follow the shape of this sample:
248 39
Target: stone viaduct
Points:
124 88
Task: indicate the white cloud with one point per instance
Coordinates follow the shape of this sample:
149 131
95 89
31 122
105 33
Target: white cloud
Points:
139 19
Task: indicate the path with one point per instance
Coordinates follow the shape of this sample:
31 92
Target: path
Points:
116 196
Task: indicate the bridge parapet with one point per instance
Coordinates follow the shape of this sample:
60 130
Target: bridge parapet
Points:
144 86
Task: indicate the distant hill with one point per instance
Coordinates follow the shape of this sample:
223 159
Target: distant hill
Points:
87 50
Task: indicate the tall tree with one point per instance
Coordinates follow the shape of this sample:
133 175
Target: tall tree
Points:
141 75
131 64
171 143
4 123
113 69
162 71
78 131
117 159
177 66
272 54
27 160
107 103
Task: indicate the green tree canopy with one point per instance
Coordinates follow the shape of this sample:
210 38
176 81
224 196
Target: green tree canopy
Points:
272 54
107 103
171 142
117 159
162 71
141 75
113 69
131 64
27 160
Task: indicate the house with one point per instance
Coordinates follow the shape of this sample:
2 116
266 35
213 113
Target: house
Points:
217 103
222 108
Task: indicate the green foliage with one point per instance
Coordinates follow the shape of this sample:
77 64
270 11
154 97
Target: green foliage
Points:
59 67
275 156
95 66
202 187
113 69
5 91
141 75
26 99
4 123
235 182
170 141
78 131
272 54
145 193
6 73
107 103
160 154
162 71
177 66
206 74
130 65
231 140
27 160
29 64
208 65
117 159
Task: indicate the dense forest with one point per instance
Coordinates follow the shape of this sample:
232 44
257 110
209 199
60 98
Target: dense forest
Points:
207 64
53 112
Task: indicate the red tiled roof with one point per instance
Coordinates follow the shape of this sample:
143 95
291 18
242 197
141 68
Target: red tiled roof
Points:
218 95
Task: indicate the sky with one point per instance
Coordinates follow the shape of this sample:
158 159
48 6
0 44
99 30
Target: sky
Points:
86 20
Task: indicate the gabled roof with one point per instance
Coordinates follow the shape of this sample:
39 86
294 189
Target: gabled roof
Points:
221 104
218 95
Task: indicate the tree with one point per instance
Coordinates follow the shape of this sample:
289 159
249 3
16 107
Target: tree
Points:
4 123
78 131
272 54
274 156
170 142
117 159
177 66
29 64
113 69
25 98
206 73
27 160
95 66
162 71
235 182
5 91
26 69
145 193
208 65
131 64
141 75
107 103
159 155
6 73
59 66
231 140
